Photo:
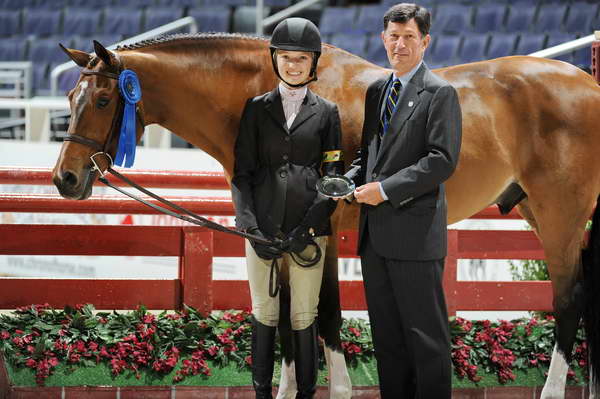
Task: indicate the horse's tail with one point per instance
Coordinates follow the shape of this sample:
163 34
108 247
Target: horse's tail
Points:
591 279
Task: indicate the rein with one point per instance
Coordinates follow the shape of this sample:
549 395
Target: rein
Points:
185 215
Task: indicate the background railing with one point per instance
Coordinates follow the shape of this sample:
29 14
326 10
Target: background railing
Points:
197 246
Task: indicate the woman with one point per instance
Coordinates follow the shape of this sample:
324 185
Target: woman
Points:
287 139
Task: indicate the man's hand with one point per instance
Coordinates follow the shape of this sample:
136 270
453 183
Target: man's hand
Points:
264 251
369 194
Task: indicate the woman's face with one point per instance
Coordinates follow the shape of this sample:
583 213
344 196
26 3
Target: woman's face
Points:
294 66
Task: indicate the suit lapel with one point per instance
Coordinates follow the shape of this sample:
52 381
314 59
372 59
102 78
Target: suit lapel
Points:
374 116
407 103
307 110
275 108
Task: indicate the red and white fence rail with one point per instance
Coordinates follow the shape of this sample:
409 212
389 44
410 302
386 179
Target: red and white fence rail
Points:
195 247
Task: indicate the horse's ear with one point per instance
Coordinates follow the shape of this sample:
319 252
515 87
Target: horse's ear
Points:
81 58
104 54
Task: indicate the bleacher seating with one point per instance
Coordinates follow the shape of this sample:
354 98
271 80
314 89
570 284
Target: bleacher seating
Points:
462 30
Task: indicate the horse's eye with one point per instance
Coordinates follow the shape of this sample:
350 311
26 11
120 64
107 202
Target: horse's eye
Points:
103 102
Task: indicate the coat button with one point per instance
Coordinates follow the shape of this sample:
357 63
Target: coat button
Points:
283 174
285 157
374 175
287 138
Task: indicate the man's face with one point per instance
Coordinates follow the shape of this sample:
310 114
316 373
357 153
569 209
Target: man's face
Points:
404 45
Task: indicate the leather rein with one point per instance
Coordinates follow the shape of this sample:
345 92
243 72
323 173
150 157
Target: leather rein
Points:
185 215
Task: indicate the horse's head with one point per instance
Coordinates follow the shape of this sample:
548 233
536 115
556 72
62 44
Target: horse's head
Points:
96 115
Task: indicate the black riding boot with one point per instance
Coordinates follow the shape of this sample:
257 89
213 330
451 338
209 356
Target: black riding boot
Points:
263 352
306 359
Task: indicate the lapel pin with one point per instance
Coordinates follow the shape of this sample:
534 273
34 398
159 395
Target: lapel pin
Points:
410 103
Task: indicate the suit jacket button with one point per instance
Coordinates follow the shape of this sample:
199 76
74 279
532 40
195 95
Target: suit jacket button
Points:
287 138
374 176
285 157
283 174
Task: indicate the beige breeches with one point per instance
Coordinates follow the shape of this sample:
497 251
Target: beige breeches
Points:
304 282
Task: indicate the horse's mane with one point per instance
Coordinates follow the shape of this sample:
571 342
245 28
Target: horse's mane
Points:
198 38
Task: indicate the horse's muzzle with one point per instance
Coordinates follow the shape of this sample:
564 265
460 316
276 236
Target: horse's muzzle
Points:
72 186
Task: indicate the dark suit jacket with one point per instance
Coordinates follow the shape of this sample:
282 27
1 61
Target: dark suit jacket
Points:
276 169
417 154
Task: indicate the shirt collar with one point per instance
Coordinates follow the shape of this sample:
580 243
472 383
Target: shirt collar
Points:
404 79
292 94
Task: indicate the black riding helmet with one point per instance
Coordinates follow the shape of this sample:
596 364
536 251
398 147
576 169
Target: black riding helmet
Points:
296 34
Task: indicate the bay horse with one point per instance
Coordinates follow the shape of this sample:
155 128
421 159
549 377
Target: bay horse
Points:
529 123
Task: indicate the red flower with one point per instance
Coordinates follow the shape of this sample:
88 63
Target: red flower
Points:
354 331
4 335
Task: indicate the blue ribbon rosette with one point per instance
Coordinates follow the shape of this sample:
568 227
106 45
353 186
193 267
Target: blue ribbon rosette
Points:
130 89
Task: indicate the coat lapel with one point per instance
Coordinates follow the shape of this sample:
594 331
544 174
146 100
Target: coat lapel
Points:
407 103
275 108
373 122
307 110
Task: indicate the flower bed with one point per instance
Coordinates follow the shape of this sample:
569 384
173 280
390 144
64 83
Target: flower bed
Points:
186 344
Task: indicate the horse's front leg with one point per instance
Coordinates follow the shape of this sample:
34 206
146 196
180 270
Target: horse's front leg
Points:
340 386
287 381
554 388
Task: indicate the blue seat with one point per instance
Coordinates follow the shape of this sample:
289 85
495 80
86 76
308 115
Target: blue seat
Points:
244 18
337 20
40 81
122 21
178 3
520 17
47 49
49 4
39 22
233 3
550 18
581 17
277 3
156 17
67 79
81 21
16 4
502 45
90 4
556 38
376 52
582 58
474 47
370 18
134 3
445 50
530 43
86 44
489 17
353 43
13 49
211 19
10 22
452 18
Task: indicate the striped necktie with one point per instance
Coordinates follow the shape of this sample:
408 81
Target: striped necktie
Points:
390 105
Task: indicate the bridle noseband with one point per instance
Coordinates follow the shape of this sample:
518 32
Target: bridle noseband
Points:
102 149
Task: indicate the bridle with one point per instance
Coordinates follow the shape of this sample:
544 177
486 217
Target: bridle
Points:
102 149
188 216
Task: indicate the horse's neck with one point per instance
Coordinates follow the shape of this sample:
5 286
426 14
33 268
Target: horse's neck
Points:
199 98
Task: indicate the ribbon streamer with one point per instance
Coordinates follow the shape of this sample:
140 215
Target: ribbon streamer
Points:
130 89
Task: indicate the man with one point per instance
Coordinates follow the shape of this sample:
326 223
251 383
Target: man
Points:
410 145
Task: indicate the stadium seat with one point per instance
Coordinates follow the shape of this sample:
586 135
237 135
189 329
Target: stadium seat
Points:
520 17
474 47
67 80
49 4
550 18
41 84
451 18
86 43
211 19
445 50
40 22
122 21
556 38
90 4
156 17
244 18
489 17
278 3
376 52
47 49
370 18
13 49
530 43
502 45
179 3
134 3
81 21
337 20
581 17
233 3
353 43
583 58
16 4
10 22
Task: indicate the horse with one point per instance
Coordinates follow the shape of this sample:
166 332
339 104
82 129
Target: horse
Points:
529 134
